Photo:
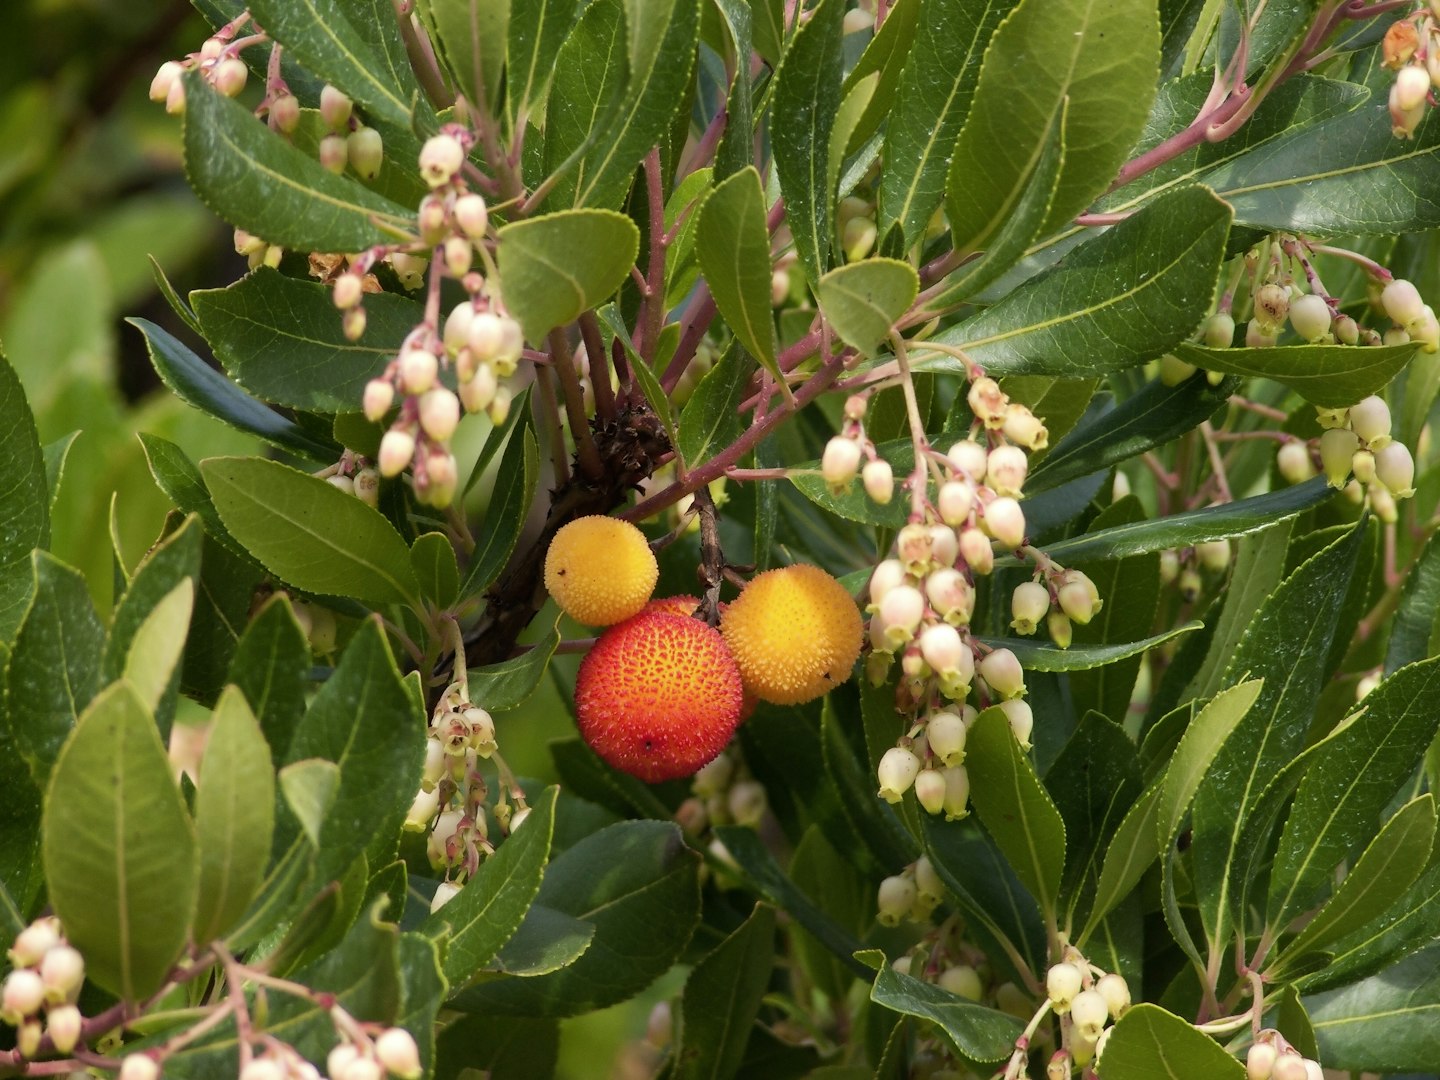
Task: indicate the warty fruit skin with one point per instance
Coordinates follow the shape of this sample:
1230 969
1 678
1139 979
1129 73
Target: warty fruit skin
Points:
600 570
794 632
658 696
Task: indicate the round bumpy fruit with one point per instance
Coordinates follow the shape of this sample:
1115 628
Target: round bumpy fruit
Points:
600 570
795 633
658 696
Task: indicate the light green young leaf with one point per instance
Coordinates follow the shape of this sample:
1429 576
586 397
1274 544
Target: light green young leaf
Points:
556 266
56 454
733 247
257 181
309 787
863 300
433 558
234 816
1198 746
310 533
126 892
1132 849
155 649
1335 376
510 683
884 59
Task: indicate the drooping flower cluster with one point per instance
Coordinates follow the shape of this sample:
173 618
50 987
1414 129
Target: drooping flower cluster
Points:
1086 998
1357 441
38 996
1271 1057
844 453
1412 50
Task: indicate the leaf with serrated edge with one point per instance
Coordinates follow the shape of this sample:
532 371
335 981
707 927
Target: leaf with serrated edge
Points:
24 501
733 247
1335 376
980 1033
1042 656
722 997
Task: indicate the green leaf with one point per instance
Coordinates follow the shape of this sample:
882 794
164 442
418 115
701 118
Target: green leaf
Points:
1102 60
1150 418
282 340
1391 863
154 651
863 301
1015 807
733 247
309 788
737 144
175 558
179 478
1196 753
177 304
1043 656
433 558
364 720
884 58
234 816
770 35
1239 518
977 1032
423 991
537 30
1388 1023
928 108
805 101
125 891
637 883
56 454
722 998
271 662
592 71
257 181
55 664
711 419
1335 376
25 498
1149 1043
509 504
1346 789
487 911
1415 613
1131 851
554 267
511 682
1286 645
196 383
1125 297
473 37
310 533
546 941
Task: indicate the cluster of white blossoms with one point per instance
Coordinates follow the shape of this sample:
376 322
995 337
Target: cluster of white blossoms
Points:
1087 999
723 792
1272 1058
1357 442
912 894
852 452
38 996
1412 50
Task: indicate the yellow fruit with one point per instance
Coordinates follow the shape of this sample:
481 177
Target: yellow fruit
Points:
794 632
600 570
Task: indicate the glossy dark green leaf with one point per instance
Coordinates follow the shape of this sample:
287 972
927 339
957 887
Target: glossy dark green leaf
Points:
510 1047
56 454
1015 807
722 998
554 267
1151 1044
1043 656
309 532
637 883
737 144
55 664
536 31
805 101
234 816
592 71
257 181
422 991
929 107
1286 645
1415 614
546 941
1125 297
977 1032
733 247
196 383
1386 1023
1341 798
271 662
1335 376
179 478
433 558
281 339
483 915
1150 418
863 300
1101 60
125 893
510 682
509 502
25 502
711 419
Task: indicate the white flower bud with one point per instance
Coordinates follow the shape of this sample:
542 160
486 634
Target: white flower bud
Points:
1057 624
168 75
444 893
366 487
285 113
348 291
518 818
1116 992
1029 603
1272 305
175 98
779 287
1214 555
1395 468
945 733
987 401
1426 330
1346 329
335 108
1337 448
334 153
1412 84
879 481
340 1058
1021 718
458 256
895 900
397 448
363 1068
457 327
1174 371
1062 983
1293 462
418 370
366 152
949 657
927 882
975 549
422 809
440 159
1089 1012
1060 1066
512 346
897 771
487 336
471 215
1370 420
1190 585
22 993
263 1068
962 981
1006 468
1219 330
930 790
62 1024
32 943
139 1066
62 970
1024 428
955 501
944 546
1005 521
1396 335
352 324
1310 317
500 406
969 459
900 613
440 480
1169 566
229 75
1402 302
1002 673
1257 336
1362 464
431 220
952 597
1289 1066
439 413
479 393
396 1049
1313 1070
840 463
888 573
957 792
